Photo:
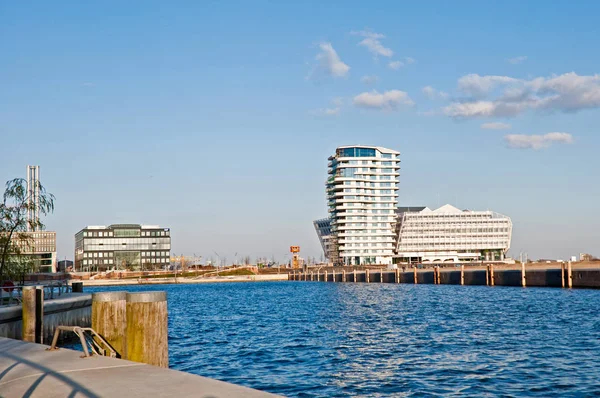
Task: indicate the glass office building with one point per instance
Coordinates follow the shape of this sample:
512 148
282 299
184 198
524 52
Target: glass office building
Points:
129 247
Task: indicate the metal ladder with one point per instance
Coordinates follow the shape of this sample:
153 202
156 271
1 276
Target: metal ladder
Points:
90 341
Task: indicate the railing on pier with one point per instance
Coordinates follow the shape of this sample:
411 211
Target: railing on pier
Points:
13 295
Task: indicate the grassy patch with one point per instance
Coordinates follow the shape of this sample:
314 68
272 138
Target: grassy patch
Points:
235 272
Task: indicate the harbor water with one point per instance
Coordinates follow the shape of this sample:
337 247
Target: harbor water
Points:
342 339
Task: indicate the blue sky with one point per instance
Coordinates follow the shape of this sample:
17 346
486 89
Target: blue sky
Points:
216 118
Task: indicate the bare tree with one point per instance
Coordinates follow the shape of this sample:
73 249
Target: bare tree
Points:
17 203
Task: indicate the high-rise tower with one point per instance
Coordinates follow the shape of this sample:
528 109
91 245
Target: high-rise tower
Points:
362 193
33 194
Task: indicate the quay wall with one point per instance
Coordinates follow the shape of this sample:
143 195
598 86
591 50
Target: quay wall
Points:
535 277
72 309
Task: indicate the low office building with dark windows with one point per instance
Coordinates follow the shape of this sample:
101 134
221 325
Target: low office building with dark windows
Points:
130 247
37 250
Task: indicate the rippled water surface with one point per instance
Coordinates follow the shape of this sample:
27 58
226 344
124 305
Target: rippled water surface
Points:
332 339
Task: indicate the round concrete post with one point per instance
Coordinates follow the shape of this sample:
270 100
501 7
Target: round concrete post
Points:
462 274
77 287
28 309
367 275
147 328
569 275
381 276
492 281
344 276
354 271
109 319
415 275
325 279
523 283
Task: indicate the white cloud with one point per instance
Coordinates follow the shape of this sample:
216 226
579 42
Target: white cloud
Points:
496 126
536 142
334 110
396 65
375 46
326 111
387 100
370 79
329 63
479 86
331 111
368 33
409 60
338 101
432 93
517 60
373 43
503 96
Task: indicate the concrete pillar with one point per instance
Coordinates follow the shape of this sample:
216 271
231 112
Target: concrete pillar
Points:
325 279
77 287
109 319
39 314
523 282
28 309
380 276
570 275
333 275
487 275
397 276
562 274
367 275
147 328
415 274
354 280
344 276
462 274
502 256
492 281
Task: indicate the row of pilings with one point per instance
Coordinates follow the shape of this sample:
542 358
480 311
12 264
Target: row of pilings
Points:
565 276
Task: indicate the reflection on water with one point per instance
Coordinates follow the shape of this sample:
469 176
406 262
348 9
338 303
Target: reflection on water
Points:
326 339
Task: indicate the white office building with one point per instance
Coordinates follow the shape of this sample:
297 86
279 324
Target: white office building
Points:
451 235
362 198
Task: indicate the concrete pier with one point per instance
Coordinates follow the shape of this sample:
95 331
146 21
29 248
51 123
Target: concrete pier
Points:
28 370
566 276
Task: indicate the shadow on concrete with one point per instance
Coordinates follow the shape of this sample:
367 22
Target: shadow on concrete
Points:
44 372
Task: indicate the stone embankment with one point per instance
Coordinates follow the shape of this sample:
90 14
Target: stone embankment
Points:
73 309
163 281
